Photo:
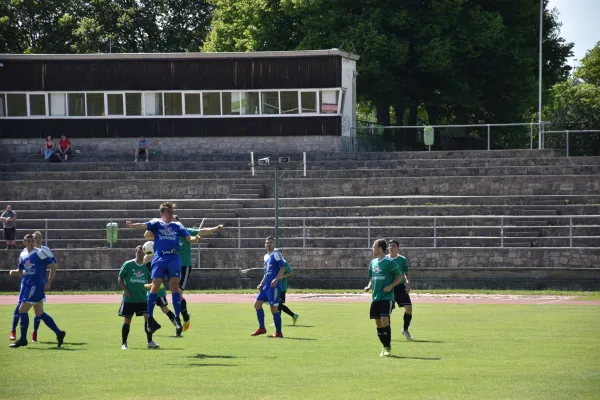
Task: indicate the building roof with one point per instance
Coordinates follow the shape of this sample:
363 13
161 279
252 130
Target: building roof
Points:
179 56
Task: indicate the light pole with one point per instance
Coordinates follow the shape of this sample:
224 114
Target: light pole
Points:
540 126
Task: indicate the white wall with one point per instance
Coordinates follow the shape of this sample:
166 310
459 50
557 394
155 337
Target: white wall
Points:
349 83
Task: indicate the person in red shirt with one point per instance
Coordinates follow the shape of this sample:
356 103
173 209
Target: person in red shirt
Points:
65 147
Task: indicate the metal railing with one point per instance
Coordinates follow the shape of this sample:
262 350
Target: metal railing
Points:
500 224
566 133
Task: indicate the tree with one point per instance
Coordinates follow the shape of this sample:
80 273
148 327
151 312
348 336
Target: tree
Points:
589 70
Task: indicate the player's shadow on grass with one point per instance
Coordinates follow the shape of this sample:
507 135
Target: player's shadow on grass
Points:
55 348
417 358
203 356
212 365
297 338
418 341
299 326
67 343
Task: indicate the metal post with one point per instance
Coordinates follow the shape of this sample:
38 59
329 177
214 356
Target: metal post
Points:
567 142
111 233
303 232
489 135
540 126
434 232
276 207
46 233
571 232
252 163
239 233
501 231
200 227
304 162
368 232
530 136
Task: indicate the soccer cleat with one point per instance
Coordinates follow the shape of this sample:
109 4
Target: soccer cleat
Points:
186 324
152 326
259 331
13 335
277 335
61 338
34 337
386 352
381 354
18 343
295 318
153 345
178 327
406 334
124 346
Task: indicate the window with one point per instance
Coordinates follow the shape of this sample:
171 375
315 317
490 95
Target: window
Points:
2 105
289 102
153 104
173 104
211 103
192 103
308 102
231 103
250 103
37 104
57 102
114 103
76 103
16 105
95 104
133 103
270 103
329 101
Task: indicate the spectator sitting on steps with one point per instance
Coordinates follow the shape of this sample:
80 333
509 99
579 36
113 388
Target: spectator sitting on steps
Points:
142 145
65 147
49 148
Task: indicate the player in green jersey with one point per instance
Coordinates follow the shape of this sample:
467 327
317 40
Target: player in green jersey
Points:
401 291
385 275
284 287
132 278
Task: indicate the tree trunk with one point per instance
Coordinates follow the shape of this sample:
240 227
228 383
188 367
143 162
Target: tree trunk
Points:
432 114
411 133
383 113
399 133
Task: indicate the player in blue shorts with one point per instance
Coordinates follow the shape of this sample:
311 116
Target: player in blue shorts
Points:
37 236
270 289
166 263
32 269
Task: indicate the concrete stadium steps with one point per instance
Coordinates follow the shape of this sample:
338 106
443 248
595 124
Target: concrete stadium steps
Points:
101 243
307 187
346 173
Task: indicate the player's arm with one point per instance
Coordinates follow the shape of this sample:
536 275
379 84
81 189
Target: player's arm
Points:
407 280
52 268
148 235
16 273
122 285
397 280
137 226
287 274
262 282
209 231
368 287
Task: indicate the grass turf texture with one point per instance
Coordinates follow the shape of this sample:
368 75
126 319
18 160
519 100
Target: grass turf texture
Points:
460 352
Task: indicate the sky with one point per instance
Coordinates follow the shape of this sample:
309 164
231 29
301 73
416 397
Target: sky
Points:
580 24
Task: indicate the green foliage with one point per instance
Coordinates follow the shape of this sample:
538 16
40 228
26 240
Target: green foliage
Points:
589 70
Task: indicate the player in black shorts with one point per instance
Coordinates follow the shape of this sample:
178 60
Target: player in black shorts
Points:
401 291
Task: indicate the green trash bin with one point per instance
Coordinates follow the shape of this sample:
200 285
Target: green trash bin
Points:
112 233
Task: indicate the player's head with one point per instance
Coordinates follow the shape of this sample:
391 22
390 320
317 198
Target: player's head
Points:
139 252
270 244
394 246
9 208
167 211
29 241
37 236
379 247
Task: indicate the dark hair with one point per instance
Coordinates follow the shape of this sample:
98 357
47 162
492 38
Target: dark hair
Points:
167 205
395 241
382 243
28 236
270 238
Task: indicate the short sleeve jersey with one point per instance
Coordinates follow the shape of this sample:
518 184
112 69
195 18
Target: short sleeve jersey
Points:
9 214
166 235
135 276
284 281
49 252
382 273
272 263
185 248
401 262
142 143
33 264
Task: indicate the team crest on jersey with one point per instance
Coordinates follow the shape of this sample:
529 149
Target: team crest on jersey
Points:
138 273
27 264
377 269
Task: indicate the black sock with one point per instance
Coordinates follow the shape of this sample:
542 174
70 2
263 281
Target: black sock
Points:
171 316
285 309
148 335
124 333
407 319
184 312
387 336
380 335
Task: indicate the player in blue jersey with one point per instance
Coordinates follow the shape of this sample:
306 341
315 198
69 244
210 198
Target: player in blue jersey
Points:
32 269
270 289
37 236
166 264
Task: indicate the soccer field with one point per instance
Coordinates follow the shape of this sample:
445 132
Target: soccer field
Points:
459 352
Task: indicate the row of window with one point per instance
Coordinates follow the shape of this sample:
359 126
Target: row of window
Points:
135 104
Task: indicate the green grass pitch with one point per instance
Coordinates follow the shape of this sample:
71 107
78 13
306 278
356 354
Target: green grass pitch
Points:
459 352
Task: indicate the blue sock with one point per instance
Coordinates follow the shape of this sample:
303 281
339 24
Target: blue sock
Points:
260 314
277 320
16 317
176 298
24 325
50 323
151 303
36 323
